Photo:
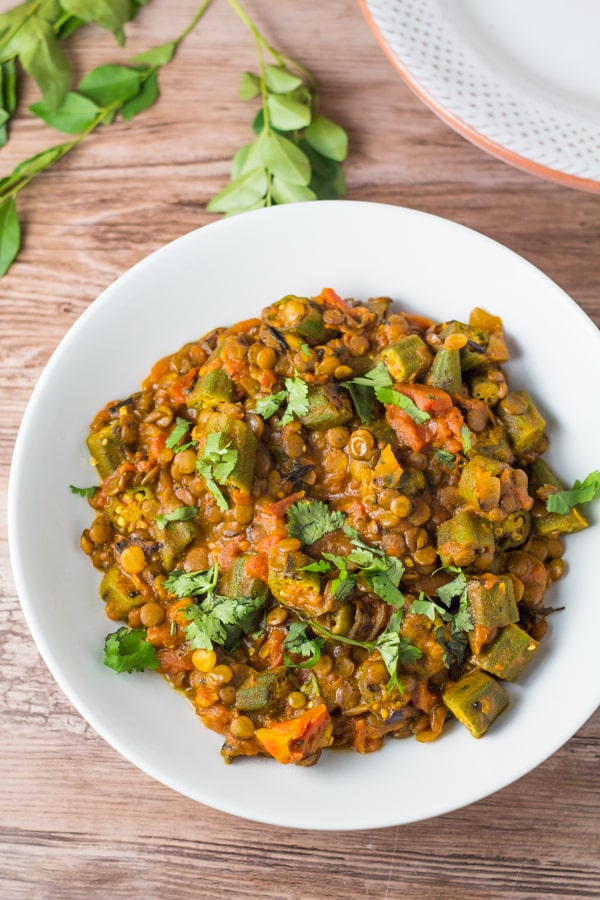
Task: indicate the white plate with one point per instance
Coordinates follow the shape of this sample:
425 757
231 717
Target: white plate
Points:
519 78
219 274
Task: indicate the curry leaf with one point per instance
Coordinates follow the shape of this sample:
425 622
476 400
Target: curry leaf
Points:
145 99
107 85
240 193
285 159
42 58
109 14
75 113
327 138
287 114
280 80
249 86
284 192
10 234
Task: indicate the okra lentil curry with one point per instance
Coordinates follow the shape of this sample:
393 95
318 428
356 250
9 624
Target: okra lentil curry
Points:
327 525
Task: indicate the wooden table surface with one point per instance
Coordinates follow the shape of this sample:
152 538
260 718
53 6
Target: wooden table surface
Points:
77 820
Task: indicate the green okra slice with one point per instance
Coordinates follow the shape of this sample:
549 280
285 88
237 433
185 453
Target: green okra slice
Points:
476 700
445 372
487 389
235 581
327 408
261 689
301 317
461 538
211 388
107 448
240 437
407 358
508 655
492 600
525 426
119 594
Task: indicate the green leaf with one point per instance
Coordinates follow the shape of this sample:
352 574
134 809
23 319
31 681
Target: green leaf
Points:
192 584
249 157
41 57
4 117
327 138
75 113
109 14
128 651
181 514
10 234
280 80
220 620
83 492
40 161
157 56
249 86
144 100
297 399
285 159
108 84
177 433
582 492
284 192
300 644
241 193
268 406
467 438
9 86
258 123
445 458
377 377
395 398
309 520
286 114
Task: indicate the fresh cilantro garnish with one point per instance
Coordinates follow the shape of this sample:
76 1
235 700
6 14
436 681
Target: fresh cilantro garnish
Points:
581 492
216 618
395 398
128 651
220 620
467 438
216 465
453 646
361 390
300 644
83 492
444 457
452 606
305 349
309 520
179 431
382 573
296 395
192 584
319 566
395 650
181 514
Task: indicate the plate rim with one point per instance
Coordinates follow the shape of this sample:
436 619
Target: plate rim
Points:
472 134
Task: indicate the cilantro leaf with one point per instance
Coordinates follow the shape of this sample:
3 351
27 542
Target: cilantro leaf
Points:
395 398
319 566
128 650
377 377
268 406
395 650
467 438
445 458
181 514
180 429
424 606
192 584
220 620
309 520
83 492
216 465
457 589
361 391
453 646
296 395
581 492
297 399
299 643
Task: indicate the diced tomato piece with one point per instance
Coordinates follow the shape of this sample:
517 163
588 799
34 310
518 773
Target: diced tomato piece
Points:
295 739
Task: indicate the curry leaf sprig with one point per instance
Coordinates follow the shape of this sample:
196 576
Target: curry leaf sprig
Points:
30 33
101 94
297 152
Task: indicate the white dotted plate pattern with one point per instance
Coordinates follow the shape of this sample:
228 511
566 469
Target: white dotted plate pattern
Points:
521 78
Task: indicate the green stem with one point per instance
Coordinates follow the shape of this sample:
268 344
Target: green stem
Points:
280 58
192 24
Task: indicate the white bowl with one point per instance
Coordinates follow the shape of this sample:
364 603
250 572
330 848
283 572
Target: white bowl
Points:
219 274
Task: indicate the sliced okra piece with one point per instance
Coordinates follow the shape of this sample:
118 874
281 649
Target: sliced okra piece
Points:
488 390
174 539
301 317
540 476
262 689
107 448
211 388
119 594
476 700
508 655
461 538
492 600
236 582
407 358
328 407
295 588
445 372
483 347
479 484
522 421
